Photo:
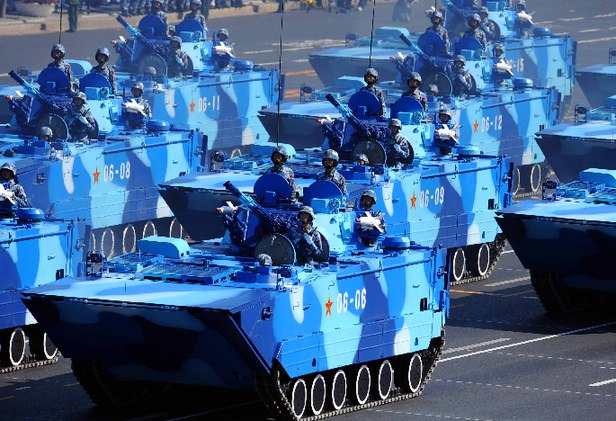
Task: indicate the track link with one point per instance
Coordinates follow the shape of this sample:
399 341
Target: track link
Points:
30 364
272 389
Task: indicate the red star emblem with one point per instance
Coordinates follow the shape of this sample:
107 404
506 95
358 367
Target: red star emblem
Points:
96 174
475 126
328 306
192 106
413 200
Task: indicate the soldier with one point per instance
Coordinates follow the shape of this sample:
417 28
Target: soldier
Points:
371 77
305 238
157 10
102 57
82 124
402 10
444 136
486 25
368 234
195 13
397 148
264 259
12 191
501 70
361 160
414 82
523 21
279 158
177 60
462 80
437 27
475 31
136 115
330 162
57 53
45 134
73 14
223 48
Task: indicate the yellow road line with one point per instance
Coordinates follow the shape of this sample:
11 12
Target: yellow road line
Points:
518 293
310 72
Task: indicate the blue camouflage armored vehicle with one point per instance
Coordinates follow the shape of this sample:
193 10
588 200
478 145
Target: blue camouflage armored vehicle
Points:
34 251
547 59
214 92
500 121
598 81
447 201
567 240
587 142
353 328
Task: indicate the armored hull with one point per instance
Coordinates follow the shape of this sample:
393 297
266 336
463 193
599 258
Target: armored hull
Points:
566 241
599 80
321 339
52 250
588 142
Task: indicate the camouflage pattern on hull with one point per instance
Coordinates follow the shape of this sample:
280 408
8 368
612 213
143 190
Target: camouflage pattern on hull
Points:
211 316
588 142
566 241
32 254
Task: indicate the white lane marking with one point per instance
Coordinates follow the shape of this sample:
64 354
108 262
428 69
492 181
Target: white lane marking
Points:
534 389
571 19
257 52
273 63
530 341
609 15
549 357
508 251
511 281
588 41
301 60
604 382
583 31
477 345
611 28
426 415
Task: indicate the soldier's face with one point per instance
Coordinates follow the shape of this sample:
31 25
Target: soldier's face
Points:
394 130
483 15
78 102
366 202
136 92
473 23
305 218
101 58
6 174
278 159
57 54
498 53
175 45
444 118
328 163
413 84
459 64
156 6
370 79
44 138
436 21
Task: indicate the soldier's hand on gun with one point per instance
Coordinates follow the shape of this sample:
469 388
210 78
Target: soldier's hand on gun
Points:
397 148
84 120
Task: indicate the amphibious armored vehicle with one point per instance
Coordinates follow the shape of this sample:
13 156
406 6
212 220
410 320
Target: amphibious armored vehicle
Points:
599 80
34 251
353 328
567 241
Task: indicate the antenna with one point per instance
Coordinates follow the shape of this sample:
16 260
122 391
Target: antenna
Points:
280 90
372 33
61 14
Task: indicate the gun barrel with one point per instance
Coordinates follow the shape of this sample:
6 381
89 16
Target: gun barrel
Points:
332 100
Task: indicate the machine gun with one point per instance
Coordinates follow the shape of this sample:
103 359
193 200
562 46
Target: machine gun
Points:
44 99
273 223
149 46
417 51
334 135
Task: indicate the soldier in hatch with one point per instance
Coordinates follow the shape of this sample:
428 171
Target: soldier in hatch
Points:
368 234
414 82
371 77
305 238
330 162
57 53
82 125
102 57
12 191
279 158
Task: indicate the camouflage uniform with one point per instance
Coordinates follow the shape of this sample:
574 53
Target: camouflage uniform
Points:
397 148
107 71
11 185
160 14
65 67
81 124
198 17
287 174
488 27
419 96
462 84
369 237
380 96
138 120
307 243
441 32
479 35
177 62
336 178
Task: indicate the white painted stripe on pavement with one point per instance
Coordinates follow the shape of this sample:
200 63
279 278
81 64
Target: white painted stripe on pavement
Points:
301 60
571 19
530 341
609 15
478 345
257 52
583 31
511 281
604 382
507 252
588 41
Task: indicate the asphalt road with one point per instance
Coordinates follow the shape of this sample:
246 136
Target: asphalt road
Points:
505 359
